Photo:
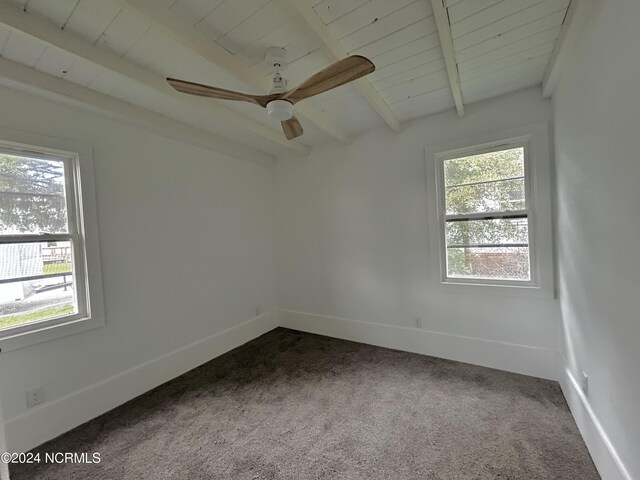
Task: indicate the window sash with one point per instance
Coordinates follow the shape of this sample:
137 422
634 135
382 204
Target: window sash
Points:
444 218
75 236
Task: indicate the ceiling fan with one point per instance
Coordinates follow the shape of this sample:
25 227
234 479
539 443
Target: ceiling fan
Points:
279 102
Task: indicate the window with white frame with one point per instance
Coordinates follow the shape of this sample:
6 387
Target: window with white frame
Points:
485 211
43 268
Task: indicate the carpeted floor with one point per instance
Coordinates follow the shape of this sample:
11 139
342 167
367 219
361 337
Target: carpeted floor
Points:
292 405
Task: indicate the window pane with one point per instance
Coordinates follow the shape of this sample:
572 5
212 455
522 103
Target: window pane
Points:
486 182
48 292
501 231
484 167
32 195
503 263
493 196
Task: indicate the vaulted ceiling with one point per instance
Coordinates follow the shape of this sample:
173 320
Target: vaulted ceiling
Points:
430 57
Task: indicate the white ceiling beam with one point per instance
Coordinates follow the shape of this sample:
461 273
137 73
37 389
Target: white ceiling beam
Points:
18 20
574 22
210 50
363 85
441 16
20 76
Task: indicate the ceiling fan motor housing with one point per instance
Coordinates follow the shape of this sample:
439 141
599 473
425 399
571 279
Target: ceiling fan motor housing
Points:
279 110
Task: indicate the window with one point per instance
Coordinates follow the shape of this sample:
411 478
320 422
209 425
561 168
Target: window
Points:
485 215
44 278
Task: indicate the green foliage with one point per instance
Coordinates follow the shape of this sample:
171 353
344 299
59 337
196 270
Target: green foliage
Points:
504 190
31 195
35 315
63 267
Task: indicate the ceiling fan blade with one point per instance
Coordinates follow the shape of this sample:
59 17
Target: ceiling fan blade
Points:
341 72
220 93
292 128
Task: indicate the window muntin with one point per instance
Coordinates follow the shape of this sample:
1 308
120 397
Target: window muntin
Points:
486 216
42 252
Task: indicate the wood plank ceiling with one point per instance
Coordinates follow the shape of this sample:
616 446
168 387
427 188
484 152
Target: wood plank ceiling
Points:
499 46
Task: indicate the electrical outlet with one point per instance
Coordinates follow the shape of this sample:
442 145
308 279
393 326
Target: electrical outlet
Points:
417 322
35 397
585 383
258 311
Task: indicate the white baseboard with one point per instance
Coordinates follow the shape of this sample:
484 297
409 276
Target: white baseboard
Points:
43 423
604 454
524 359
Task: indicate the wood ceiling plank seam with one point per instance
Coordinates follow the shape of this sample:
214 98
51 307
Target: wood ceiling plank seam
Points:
550 35
522 55
56 11
415 88
326 9
425 97
428 43
403 65
388 25
478 73
54 62
368 14
530 73
434 106
413 73
124 32
424 80
260 24
467 8
523 17
490 15
513 35
146 50
106 27
222 22
503 89
23 49
395 40
193 13
90 17
4 38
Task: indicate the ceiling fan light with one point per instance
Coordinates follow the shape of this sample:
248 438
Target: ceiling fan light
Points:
279 110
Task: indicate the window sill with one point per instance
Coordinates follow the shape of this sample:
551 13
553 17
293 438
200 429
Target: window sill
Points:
49 332
511 290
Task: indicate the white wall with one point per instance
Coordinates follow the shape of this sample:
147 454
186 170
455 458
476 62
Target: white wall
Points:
353 243
187 251
597 137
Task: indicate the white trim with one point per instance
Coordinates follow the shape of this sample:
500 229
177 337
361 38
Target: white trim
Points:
47 421
81 204
538 192
523 142
603 453
524 359
441 17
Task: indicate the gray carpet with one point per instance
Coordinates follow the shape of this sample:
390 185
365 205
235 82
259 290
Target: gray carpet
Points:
292 405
